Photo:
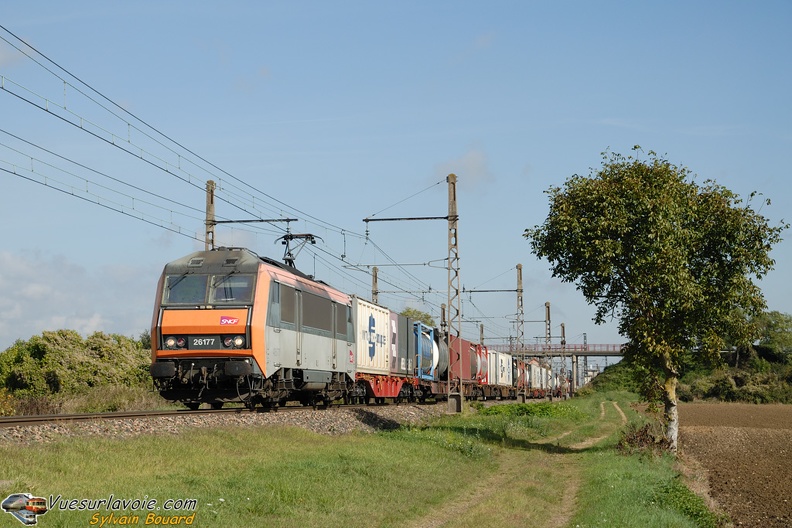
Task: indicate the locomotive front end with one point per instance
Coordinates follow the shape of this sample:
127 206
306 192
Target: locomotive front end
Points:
206 345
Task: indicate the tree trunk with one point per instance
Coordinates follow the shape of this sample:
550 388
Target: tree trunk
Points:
671 413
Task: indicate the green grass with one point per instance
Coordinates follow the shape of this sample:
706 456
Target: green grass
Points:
250 477
635 491
511 467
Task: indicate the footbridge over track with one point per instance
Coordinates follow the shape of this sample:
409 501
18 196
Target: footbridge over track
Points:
556 350
558 354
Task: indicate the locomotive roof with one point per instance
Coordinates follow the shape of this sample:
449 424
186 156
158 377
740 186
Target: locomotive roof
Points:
229 259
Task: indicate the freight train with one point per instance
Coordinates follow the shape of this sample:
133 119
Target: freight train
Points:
231 326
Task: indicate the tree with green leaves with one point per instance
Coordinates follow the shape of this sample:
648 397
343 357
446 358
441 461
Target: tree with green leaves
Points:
673 261
774 336
418 315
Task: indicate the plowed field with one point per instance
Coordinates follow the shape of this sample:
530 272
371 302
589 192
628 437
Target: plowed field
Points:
746 452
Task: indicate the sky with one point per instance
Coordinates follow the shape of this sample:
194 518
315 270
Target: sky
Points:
117 113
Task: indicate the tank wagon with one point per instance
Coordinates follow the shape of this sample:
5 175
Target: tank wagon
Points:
230 326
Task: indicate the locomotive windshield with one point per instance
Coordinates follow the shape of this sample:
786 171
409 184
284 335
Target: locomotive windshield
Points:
231 289
208 289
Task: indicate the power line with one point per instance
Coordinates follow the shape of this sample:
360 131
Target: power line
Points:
99 173
175 162
175 229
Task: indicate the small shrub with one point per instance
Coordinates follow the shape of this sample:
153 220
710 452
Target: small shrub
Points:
61 363
643 438
7 403
618 377
35 405
112 399
685 393
701 387
723 387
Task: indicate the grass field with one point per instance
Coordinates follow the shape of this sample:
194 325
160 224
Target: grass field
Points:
530 465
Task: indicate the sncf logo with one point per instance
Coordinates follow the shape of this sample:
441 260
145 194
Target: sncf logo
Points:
225 320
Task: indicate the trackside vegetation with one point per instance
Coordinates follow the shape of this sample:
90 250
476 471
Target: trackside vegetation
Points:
61 371
506 465
573 463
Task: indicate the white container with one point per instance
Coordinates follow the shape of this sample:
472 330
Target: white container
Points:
505 373
372 337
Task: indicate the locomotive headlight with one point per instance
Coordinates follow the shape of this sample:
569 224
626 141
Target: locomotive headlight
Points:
234 342
174 342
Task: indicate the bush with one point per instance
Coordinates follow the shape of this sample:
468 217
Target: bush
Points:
685 393
643 438
7 403
35 405
723 387
618 377
62 363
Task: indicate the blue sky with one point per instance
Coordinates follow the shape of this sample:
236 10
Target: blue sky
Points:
330 112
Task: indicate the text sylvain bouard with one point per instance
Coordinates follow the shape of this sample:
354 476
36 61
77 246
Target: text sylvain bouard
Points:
151 519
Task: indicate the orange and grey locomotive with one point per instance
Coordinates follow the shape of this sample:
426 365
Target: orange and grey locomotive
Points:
229 325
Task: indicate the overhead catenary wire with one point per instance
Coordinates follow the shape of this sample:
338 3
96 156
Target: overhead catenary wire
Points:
231 189
174 229
407 198
83 166
152 128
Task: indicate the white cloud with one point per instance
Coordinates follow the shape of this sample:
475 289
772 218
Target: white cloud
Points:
471 169
8 55
48 292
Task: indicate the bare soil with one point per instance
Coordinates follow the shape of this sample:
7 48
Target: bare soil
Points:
744 452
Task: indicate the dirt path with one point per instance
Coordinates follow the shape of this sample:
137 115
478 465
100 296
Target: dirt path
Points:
517 474
511 474
585 444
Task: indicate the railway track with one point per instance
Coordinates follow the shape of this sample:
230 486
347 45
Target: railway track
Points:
16 421
13 421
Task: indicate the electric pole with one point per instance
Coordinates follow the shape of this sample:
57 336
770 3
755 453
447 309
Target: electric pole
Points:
454 297
211 221
210 216
374 285
520 314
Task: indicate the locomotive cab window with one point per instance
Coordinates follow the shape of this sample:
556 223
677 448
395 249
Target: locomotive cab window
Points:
231 289
185 289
